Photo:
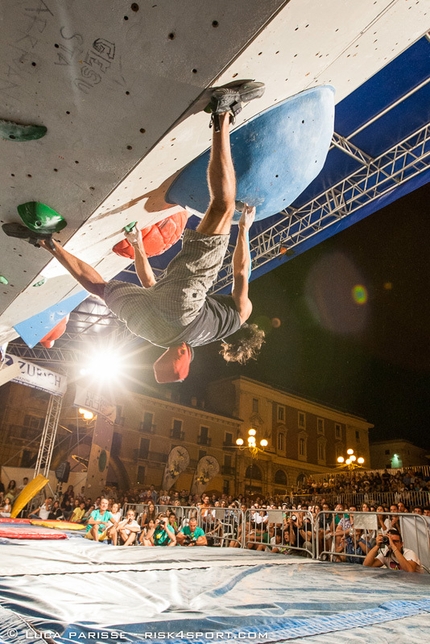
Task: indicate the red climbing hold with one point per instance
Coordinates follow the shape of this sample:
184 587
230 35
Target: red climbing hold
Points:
158 237
55 333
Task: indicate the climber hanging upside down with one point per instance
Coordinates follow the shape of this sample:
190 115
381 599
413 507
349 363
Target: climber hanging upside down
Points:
176 312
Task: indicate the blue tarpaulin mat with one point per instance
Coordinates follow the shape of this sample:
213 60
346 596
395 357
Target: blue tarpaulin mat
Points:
79 591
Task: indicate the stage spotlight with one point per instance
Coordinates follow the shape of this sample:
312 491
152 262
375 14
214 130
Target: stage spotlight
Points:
104 365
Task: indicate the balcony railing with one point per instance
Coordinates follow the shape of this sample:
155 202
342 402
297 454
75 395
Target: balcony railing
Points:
147 428
204 440
174 433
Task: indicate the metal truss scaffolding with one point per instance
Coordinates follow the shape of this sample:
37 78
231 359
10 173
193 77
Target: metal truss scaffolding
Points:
375 178
49 434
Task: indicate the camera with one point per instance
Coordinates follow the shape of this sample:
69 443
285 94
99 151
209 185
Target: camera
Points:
293 517
385 540
188 541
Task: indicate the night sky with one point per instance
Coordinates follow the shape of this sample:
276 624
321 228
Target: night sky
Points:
370 358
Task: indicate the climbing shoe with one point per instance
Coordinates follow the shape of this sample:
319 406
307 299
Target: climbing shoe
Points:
230 98
19 231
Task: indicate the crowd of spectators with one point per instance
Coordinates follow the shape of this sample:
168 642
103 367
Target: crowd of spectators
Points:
367 482
147 517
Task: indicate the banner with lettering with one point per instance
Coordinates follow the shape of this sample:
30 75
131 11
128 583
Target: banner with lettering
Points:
38 377
93 401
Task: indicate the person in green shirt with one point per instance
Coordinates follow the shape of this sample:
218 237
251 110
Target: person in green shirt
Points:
191 535
97 523
164 534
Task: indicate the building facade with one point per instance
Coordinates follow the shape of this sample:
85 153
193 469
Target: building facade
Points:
304 437
396 453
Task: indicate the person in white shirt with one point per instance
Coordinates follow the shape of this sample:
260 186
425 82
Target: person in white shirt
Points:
129 528
43 511
111 529
392 554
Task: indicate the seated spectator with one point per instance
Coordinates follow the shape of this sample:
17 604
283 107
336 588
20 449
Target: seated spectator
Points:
392 554
148 514
78 513
240 528
43 511
353 546
164 534
381 517
277 543
56 513
67 508
164 498
111 529
11 491
207 515
147 534
401 507
417 510
128 528
191 535
98 522
392 522
6 508
323 528
173 522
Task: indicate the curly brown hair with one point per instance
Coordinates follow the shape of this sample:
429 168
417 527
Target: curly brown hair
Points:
246 344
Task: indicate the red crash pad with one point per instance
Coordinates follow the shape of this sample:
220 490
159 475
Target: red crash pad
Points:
158 237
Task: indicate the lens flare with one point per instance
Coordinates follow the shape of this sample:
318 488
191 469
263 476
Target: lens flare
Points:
359 293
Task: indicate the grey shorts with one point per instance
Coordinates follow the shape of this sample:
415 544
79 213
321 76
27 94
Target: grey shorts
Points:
159 312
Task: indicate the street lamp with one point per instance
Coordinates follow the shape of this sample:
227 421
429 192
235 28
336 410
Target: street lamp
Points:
351 462
251 443
252 447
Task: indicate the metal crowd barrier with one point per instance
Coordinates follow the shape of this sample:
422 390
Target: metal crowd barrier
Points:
337 536
280 531
411 498
348 536
183 513
221 525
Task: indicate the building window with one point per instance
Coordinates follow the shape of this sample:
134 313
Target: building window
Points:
338 451
321 451
281 413
302 420
33 422
281 477
203 436
119 418
176 431
302 448
228 439
255 405
147 424
144 448
320 425
357 436
140 474
338 431
281 442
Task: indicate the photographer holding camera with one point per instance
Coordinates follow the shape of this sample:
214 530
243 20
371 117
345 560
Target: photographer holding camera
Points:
191 535
164 534
389 552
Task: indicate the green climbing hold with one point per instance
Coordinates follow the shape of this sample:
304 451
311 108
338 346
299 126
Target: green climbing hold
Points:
3 280
41 218
40 282
129 227
16 132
